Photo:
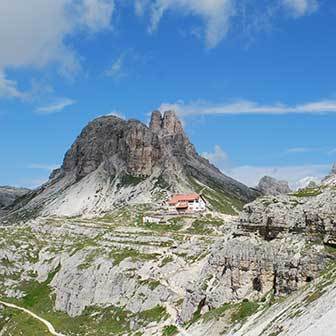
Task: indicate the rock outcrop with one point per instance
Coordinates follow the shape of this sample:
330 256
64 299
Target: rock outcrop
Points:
115 161
279 244
271 186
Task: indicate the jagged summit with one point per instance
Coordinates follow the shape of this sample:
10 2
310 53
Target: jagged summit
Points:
115 161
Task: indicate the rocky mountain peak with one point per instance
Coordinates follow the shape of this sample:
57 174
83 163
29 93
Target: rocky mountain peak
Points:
271 186
115 161
166 124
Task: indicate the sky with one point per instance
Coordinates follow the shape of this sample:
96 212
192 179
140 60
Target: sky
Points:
254 81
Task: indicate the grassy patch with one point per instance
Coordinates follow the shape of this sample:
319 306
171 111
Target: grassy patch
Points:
119 255
244 310
307 192
218 199
155 314
169 330
130 180
217 312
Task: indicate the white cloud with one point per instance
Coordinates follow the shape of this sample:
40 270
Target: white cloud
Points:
215 14
296 175
249 107
218 157
300 8
33 33
97 14
43 166
251 175
116 70
56 106
9 89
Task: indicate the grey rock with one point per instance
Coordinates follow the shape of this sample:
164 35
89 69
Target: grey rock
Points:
8 195
271 186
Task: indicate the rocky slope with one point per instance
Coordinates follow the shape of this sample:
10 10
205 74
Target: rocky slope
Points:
271 186
8 195
115 162
279 245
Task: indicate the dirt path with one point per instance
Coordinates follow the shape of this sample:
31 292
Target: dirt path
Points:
50 327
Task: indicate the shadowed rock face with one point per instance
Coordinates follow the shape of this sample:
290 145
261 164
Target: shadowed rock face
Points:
271 186
111 154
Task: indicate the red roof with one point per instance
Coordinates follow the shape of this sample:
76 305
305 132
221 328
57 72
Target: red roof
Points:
183 198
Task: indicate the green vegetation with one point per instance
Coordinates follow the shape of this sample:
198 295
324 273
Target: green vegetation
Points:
166 260
17 323
119 255
152 284
215 314
161 183
308 192
162 228
131 180
94 320
170 330
218 199
244 310
204 226
155 314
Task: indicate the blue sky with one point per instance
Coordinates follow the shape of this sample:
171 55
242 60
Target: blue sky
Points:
254 81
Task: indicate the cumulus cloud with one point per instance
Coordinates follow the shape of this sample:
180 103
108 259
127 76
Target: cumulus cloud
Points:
300 8
249 107
35 31
57 106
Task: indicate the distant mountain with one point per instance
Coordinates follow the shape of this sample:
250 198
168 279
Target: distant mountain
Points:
271 186
8 195
115 162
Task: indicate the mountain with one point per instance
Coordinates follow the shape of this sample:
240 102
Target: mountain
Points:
114 162
8 195
271 186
